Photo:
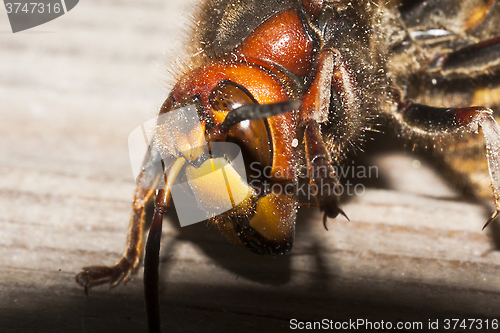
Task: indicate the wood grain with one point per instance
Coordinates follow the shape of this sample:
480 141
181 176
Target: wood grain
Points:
73 89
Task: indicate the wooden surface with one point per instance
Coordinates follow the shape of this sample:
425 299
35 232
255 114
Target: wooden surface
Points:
72 90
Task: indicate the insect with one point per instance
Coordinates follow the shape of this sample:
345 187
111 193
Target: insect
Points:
298 86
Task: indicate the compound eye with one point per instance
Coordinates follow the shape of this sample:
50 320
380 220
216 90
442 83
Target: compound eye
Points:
227 96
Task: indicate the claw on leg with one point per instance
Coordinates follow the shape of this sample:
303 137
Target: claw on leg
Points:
92 275
120 271
322 174
427 120
148 179
493 216
491 132
328 214
325 217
